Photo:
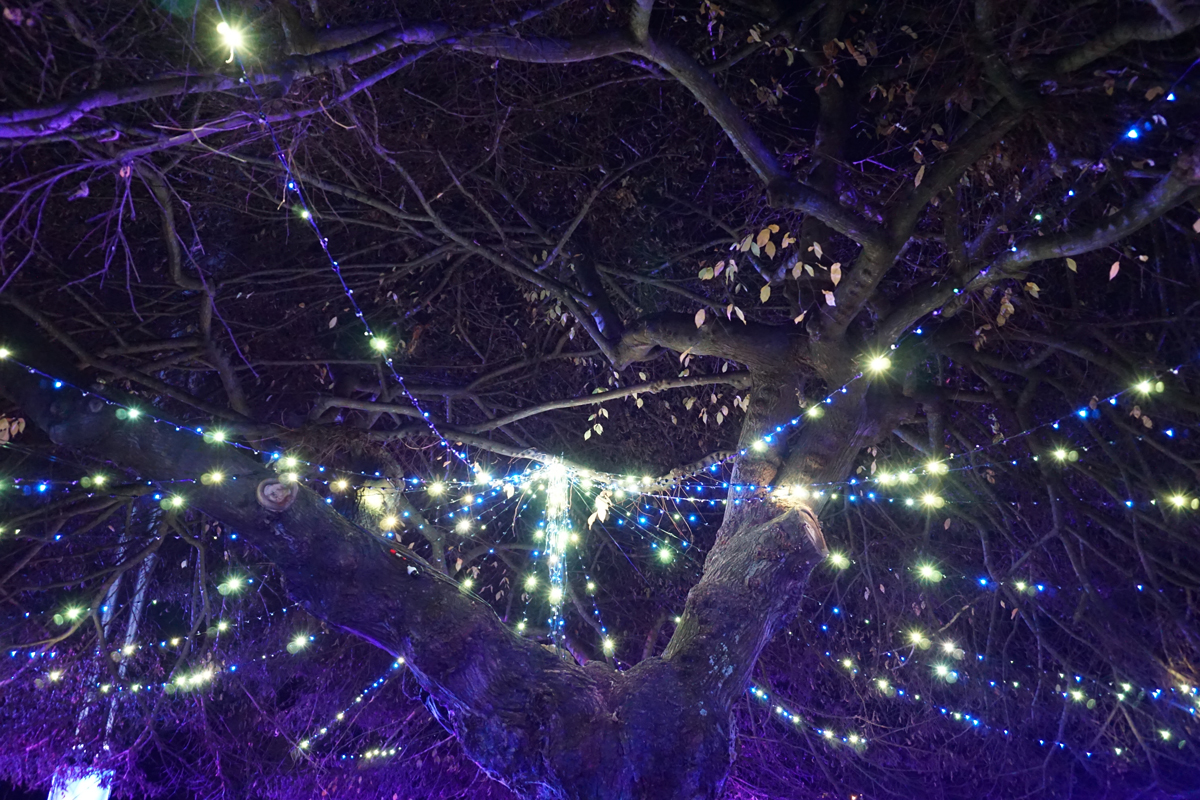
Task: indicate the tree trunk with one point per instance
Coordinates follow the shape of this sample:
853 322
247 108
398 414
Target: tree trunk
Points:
529 717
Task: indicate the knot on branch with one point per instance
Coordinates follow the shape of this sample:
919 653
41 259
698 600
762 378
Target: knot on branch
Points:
275 496
783 193
1187 168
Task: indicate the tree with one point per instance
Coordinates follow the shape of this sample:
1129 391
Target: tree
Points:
939 262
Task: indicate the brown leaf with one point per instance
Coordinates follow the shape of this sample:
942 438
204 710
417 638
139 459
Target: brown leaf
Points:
700 317
835 273
920 175
1114 269
1071 265
829 299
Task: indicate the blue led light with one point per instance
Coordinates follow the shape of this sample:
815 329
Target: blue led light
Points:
1132 133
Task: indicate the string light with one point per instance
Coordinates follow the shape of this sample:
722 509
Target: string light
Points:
232 36
929 573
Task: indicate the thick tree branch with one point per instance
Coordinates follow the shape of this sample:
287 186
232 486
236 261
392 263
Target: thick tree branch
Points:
516 706
756 346
1151 30
653 387
1179 186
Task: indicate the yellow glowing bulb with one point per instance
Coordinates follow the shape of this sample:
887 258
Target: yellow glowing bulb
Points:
218 436
373 500
74 613
290 477
55 675
556 595
1020 586
223 625
531 582
1166 735
341 485
521 625
665 554
232 36
134 413
942 670
816 412
854 738
1178 500
937 468
882 684
916 637
847 663
928 572
932 500
379 344
300 642
215 477
759 446
591 586
906 477
483 477
176 501
436 488
838 560
1077 695
389 523
467 583
886 478
879 364
1144 387
4 353
1060 454
288 462
463 525
948 647
608 646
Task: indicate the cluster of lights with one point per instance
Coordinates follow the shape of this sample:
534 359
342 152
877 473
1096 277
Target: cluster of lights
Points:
854 740
946 673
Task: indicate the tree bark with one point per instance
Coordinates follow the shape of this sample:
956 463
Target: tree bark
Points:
529 717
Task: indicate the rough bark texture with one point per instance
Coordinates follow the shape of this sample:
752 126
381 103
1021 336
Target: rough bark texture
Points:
529 716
